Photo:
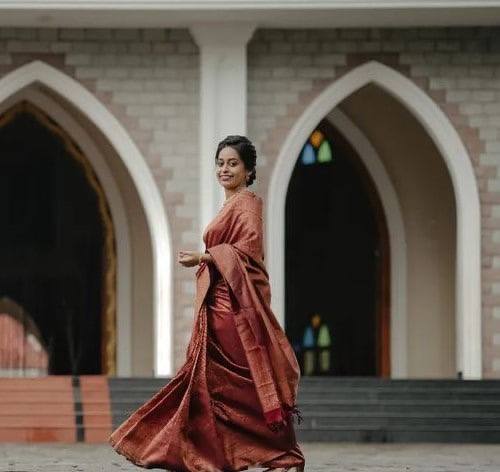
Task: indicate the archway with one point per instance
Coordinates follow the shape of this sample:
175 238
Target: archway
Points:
74 93
57 247
337 261
446 139
391 208
60 111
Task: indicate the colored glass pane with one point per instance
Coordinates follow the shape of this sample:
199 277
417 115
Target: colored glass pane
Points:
325 152
309 363
324 360
308 155
316 321
308 340
316 138
324 339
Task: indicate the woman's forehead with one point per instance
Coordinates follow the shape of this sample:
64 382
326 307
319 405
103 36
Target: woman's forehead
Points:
228 153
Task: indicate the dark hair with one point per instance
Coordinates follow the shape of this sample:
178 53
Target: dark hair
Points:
245 149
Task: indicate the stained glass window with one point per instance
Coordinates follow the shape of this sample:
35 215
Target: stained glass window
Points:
316 347
317 149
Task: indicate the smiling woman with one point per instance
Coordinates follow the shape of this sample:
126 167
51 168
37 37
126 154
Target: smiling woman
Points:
231 405
235 164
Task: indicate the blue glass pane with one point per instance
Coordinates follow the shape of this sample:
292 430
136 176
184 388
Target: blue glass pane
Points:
325 152
308 155
308 341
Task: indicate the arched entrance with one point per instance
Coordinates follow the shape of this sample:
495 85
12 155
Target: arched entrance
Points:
453 154
337 261
144 289
57 247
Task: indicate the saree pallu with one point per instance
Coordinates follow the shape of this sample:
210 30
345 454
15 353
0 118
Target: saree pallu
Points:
245 436
211 417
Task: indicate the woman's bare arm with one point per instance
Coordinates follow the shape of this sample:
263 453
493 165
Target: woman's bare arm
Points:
206 257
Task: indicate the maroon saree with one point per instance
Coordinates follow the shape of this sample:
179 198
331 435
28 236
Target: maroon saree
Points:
230 406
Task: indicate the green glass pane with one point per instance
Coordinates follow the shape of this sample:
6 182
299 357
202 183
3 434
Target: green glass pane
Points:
324 360
324 337
325 152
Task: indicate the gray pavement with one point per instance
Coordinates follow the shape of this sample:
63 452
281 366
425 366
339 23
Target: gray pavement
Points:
324 457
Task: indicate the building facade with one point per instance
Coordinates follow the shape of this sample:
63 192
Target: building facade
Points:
378 161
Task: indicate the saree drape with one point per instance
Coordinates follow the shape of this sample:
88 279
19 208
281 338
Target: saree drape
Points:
230 405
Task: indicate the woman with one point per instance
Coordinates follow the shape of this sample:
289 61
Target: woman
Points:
230 406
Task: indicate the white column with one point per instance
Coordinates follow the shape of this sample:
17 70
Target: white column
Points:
223 100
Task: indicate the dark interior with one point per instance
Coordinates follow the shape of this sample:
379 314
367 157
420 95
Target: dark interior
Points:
332 250
51 243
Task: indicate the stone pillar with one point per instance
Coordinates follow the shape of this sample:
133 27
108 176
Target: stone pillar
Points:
223 100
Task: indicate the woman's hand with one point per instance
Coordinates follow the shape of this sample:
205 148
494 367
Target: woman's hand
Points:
188 258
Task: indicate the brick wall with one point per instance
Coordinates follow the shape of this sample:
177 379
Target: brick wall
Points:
458 67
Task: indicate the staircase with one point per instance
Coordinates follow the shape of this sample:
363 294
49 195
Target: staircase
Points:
86 408
370 409
128 394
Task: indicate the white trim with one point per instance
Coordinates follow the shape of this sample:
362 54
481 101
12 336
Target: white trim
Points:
189 5
456 158
122 233
135 163
397 238
264 13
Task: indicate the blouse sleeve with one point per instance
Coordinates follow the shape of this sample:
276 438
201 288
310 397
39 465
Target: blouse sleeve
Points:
248 227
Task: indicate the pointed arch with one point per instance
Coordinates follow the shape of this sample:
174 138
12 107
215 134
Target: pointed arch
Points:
397 236
458 163
59 113
151 201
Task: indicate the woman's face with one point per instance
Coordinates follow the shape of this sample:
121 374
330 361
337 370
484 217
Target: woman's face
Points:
230 169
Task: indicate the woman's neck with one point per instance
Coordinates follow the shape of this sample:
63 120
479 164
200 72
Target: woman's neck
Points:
231 192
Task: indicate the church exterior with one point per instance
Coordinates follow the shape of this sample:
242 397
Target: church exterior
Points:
139 94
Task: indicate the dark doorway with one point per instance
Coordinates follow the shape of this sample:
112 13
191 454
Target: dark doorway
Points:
337 262
52 249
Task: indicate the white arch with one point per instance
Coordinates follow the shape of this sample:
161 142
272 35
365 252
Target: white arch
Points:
397 237
447 140
123 250
97 113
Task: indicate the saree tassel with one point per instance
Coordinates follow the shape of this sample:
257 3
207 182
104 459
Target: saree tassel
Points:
294 411
275 419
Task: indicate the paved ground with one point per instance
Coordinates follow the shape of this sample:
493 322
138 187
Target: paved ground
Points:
339 457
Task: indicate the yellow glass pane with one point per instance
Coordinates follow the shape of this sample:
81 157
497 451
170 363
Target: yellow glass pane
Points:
316 138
